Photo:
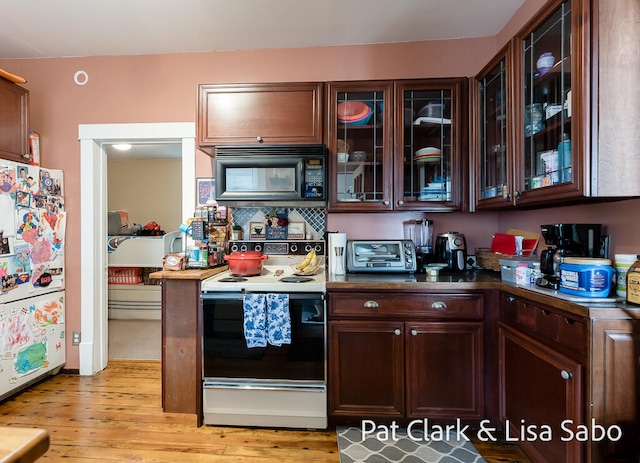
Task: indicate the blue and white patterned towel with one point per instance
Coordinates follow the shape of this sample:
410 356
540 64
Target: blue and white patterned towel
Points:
278 319
254 308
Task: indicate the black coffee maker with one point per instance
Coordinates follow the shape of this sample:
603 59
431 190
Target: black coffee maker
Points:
567 240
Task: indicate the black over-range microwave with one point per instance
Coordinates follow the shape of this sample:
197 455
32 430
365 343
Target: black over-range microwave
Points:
288 175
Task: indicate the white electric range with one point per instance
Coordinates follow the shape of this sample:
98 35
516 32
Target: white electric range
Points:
278 272
281 385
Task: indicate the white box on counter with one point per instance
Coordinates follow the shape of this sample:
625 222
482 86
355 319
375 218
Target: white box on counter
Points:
508 266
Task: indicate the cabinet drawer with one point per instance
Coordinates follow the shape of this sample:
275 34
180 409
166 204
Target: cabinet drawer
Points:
429 305
547 323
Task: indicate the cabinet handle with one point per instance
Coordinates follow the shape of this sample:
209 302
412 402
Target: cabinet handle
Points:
566 374
371 305
385 202
414 332
259 138
439 305
506 195
516 194
26 156
400 203
397 332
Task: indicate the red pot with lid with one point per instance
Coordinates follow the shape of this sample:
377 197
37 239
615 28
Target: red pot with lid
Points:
245 263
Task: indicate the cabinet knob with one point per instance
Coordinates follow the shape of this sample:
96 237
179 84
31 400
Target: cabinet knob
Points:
414 332
371 305
397 332
26 156
566 374
516 194
385 202
506 195
439 305
259 138
400 203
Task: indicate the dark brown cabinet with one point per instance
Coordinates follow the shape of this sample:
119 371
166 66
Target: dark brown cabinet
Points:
405 357
540 388
567 132
615 387
556 366
14 122
253 114
397 145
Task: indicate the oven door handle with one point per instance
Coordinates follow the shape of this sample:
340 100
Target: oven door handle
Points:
265 386
235 296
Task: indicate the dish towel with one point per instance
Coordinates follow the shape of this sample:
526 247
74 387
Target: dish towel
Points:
254 308
278 319
266 319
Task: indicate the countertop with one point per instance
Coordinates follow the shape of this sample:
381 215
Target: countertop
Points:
480 280
188 274
22 445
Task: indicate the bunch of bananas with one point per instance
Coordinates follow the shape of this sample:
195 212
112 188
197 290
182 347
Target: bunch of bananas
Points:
309 263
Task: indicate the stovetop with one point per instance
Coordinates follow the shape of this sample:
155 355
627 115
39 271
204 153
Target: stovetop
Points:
273 270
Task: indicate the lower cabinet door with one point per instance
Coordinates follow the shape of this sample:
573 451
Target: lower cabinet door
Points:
540 397
366 369
444 374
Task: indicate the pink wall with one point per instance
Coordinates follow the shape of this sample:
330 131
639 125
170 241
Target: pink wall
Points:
162 88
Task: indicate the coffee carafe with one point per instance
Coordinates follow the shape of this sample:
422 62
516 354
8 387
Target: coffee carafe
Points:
421 233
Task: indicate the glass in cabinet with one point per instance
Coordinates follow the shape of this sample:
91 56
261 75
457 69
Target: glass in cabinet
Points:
494 157
359 140
547 131
428 131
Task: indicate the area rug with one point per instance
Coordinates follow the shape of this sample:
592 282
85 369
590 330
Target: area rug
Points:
403 449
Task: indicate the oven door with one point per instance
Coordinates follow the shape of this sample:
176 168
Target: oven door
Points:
227 357
267 386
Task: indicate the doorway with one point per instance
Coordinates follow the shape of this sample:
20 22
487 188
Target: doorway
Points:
93 139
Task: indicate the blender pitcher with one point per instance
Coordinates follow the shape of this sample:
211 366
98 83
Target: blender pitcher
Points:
421 233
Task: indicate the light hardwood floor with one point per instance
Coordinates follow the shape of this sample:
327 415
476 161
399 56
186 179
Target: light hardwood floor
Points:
117 415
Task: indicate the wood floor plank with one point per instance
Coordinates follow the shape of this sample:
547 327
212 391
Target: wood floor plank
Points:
116 416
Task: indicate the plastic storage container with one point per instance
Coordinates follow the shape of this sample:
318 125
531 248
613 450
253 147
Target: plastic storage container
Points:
588 277
509 265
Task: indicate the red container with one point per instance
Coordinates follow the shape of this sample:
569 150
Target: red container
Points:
245 263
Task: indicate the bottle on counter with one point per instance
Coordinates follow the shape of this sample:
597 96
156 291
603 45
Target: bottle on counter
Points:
633 282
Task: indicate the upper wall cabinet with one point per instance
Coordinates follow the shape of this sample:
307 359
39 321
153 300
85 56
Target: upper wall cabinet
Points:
253 114
492 134
430 156
571 130
397 145
14 122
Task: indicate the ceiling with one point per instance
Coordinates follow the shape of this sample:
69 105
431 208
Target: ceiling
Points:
74 28
147 150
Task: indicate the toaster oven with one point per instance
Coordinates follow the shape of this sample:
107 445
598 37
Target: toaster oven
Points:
381 256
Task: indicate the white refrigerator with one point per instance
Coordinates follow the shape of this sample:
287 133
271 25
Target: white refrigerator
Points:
32 298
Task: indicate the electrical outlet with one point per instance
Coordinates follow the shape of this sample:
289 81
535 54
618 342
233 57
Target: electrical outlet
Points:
76 338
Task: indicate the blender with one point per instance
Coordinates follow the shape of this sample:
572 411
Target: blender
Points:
421 233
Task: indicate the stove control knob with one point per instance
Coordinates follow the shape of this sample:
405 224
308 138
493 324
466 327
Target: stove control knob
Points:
318 247
234 247
257 247
243 247
307 247
293 248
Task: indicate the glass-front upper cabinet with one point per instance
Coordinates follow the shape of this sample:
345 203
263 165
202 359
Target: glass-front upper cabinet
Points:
360 134
429 131
493 153
547 60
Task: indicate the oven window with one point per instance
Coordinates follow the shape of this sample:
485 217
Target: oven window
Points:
226 355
